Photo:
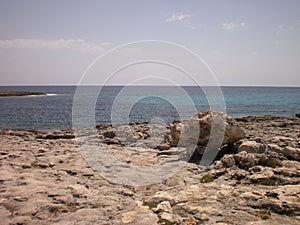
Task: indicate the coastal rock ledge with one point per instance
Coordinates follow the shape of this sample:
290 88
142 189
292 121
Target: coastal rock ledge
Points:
255 178
196 132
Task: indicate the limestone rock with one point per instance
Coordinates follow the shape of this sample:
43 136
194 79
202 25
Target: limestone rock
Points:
202 123
195 131
288 151
47 181
246 160
293 153
164 206
251 147
228 160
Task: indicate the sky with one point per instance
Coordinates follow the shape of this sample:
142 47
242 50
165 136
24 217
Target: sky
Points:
244 42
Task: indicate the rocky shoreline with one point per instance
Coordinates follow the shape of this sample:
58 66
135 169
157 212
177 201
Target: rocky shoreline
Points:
255 178
19 93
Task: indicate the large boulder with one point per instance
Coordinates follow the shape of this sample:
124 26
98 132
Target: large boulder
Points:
183 133
252 147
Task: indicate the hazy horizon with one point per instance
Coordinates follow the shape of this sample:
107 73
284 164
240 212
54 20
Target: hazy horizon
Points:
146 85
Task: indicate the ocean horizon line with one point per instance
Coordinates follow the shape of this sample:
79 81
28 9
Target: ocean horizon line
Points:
124 85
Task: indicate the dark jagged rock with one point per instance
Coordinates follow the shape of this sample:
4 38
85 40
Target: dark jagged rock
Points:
19 93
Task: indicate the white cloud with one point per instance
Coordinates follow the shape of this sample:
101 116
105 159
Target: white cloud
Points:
178 17
233 26
181 18
53 44
287 28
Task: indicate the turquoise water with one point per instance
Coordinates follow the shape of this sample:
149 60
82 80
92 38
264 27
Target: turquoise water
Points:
55 110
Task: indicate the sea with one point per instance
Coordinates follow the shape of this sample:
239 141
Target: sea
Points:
141 104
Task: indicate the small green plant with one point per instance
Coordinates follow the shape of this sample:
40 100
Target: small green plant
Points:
207 179
267 181
150 205
271 163
265 217
286 174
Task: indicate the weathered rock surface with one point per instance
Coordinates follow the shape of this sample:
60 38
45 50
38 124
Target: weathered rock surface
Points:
47 181
288 151
183 132
197 131
252 147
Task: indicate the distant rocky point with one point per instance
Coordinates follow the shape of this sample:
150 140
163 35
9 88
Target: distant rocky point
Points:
19 93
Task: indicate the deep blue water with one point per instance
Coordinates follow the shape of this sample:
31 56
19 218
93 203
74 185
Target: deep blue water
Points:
55 111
